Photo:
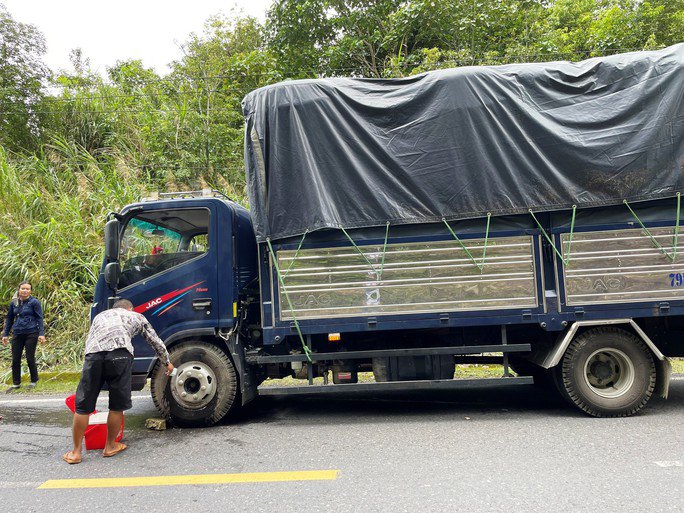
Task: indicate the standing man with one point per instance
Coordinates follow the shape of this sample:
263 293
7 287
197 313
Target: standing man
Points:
108 359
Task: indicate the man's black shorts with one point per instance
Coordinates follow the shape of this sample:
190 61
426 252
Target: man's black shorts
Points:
111 367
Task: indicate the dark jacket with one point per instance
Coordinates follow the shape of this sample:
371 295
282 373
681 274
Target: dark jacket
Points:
24 317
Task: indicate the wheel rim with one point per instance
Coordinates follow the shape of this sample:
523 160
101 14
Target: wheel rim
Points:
609 372
194 386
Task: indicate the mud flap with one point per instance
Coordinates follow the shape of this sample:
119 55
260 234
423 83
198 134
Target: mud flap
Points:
663 375
246 375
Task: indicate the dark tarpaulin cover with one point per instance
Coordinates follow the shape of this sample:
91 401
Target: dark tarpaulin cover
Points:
459 143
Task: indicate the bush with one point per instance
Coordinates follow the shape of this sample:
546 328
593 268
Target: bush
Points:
51 234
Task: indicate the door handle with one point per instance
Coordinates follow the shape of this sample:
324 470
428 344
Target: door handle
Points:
201 304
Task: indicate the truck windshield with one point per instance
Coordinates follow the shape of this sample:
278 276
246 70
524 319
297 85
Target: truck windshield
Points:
157 241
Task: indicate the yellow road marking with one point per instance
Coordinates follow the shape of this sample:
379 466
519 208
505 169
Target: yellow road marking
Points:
253 477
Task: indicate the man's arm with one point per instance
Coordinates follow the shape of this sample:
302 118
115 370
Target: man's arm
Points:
153 339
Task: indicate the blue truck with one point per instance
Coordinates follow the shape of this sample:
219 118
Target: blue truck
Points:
526 215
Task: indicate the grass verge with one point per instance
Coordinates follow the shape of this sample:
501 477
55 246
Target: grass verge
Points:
49 383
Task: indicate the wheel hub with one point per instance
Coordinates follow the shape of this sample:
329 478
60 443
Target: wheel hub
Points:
609 372
601 370
194 385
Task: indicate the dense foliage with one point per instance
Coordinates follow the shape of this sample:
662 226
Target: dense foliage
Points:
75 145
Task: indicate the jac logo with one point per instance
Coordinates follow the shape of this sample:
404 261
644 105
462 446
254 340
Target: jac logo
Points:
604 286
152 303
201 289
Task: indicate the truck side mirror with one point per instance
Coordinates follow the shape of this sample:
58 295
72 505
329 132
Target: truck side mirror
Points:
112 273
111 237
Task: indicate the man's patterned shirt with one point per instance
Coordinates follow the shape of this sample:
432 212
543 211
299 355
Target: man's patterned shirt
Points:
114 329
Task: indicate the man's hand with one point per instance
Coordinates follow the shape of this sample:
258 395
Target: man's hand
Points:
41 339
5 341
169 369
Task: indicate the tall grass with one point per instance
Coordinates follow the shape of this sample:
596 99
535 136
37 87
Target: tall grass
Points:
52 210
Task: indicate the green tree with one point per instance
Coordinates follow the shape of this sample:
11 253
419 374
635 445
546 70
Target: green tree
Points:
361 44
393 37
79 112
218 68
22 76
441 33
184 129
299 32
583 28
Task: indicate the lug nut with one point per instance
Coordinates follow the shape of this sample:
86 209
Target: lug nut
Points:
184 394
194 396
203 387
180 382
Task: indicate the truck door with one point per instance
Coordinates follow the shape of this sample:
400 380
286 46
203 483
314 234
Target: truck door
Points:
168 271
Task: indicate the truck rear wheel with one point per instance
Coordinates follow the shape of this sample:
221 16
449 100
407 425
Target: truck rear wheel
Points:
204 390
607 372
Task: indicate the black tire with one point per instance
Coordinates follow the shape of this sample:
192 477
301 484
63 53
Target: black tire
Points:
218 373
606 372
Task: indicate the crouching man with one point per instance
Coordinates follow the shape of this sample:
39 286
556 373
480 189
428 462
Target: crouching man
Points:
108 359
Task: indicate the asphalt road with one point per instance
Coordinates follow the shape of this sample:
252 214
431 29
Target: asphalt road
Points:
512 449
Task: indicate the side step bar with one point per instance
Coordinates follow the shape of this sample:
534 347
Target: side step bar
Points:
358 355
437 384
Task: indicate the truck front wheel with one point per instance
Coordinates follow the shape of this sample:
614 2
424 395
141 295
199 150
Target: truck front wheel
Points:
607 372
204 390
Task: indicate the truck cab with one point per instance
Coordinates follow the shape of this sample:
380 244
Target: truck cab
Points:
168 256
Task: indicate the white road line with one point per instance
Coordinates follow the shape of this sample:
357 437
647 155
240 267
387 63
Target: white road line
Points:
57 400
19 484
666 464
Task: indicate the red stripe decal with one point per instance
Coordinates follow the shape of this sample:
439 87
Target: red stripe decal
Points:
158 301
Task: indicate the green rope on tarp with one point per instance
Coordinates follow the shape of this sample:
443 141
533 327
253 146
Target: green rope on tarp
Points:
384 249
650 235
462 245
675 239
307 351
289 267
566 259
484 250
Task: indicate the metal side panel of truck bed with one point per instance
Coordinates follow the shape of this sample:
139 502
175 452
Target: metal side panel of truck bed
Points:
622 266
408 278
